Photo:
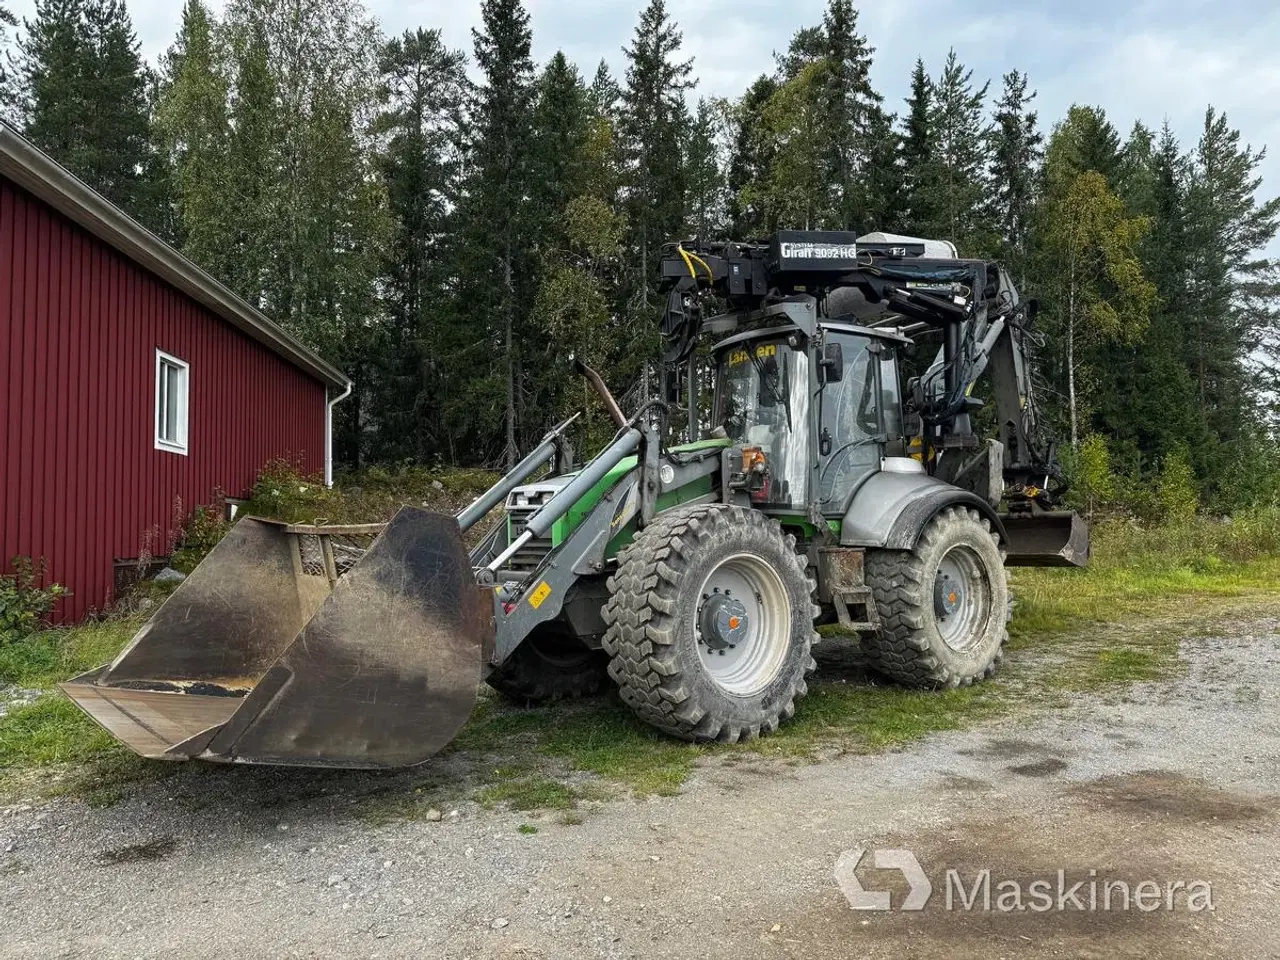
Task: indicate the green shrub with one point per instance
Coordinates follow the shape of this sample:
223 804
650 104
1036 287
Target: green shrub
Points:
200 533
372 495
1176 494
1093 482
284 493
24 602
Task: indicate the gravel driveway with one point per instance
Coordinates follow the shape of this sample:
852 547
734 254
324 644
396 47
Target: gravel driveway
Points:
1169 781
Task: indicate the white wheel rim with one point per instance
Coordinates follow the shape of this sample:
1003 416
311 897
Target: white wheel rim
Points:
751 663
962 599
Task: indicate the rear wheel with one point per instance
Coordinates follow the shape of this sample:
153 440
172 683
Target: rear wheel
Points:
710 622
944 606
550 664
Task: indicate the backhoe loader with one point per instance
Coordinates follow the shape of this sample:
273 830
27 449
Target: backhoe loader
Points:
689 575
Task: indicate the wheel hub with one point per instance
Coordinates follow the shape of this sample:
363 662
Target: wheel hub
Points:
948 594
723 622
742 624
961 598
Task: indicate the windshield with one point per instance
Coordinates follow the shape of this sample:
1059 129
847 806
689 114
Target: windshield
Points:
854 419
763 401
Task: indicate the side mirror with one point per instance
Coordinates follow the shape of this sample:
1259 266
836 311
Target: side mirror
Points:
831 365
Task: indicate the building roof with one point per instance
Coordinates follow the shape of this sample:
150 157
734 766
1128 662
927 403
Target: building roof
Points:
38 174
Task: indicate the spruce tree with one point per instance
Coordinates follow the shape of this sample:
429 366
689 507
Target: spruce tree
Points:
795 192
85 90
749 162
499 262
422 93
918 146
1084 140
706 177
1232 290
559 173
9 110
51 65
1016 151
604 94
882 179
1148 406
808 46
561 118
854 116
1135 172
192 132
254 171
653 124
953 179
303 76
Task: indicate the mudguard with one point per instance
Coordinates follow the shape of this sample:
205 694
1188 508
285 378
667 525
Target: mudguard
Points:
890 510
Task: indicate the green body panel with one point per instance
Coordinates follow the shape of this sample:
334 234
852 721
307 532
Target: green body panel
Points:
666 501
569 522
807 530
672 498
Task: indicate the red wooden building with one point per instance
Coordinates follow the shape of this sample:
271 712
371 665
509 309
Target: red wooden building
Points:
128 378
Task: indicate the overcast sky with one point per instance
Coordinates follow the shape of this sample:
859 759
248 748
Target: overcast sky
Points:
1148 60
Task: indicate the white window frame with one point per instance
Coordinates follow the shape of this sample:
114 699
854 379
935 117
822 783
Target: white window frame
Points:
164 360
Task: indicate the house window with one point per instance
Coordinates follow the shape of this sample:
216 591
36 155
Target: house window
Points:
173 378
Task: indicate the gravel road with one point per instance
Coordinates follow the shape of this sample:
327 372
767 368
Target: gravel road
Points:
1169 781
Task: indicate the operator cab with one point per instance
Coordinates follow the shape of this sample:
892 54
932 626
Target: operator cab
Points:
767 387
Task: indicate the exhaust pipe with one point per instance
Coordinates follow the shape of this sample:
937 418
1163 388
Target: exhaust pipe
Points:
602 391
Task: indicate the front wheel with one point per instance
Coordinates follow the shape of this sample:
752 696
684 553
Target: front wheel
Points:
710 621
551 664
943 606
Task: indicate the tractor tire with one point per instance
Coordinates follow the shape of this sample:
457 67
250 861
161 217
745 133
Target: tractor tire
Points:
943 607
551 664
710 624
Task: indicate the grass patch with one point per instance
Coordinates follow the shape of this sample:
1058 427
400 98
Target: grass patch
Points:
52 732
49 656
527 828
1051 601
602 738
863 717
1135 570
611 743
529 793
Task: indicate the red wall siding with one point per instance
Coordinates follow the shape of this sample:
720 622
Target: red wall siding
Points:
81 482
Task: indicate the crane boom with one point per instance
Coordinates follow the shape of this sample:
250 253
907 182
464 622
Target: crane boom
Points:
916 288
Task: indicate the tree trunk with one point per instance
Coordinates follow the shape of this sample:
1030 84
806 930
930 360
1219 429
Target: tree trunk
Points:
1071 353
511 451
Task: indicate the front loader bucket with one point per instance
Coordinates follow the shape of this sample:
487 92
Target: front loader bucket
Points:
295 645
1057 538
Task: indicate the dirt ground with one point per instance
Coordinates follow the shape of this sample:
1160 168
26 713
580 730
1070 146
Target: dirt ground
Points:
1171 781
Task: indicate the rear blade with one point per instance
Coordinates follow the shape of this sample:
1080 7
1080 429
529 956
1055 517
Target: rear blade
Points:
1058 538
